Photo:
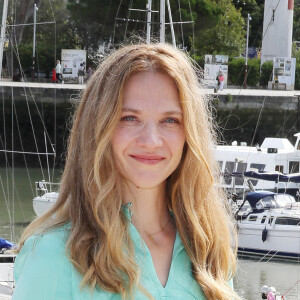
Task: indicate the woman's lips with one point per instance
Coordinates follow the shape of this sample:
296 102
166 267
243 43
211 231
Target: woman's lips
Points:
148 159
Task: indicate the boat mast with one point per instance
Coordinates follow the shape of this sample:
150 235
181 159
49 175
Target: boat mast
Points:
171 24
162 13
34 37
149 7
2 38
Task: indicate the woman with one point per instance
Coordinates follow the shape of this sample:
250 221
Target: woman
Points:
138 214
221 79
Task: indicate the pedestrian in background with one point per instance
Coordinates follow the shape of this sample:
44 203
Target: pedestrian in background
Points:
89 72
221 79
81 71
58 71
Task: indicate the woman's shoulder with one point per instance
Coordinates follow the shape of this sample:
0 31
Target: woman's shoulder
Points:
42 266
52 240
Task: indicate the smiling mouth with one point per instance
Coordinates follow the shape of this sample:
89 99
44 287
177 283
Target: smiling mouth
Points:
149 160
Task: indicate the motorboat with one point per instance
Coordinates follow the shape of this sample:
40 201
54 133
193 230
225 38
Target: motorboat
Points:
269 226
274 155
45 198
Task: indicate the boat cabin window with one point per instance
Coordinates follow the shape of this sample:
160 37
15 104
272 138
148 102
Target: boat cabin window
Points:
266 203
263 219
287 221
259 167
279 168
293 167
252 218
284 200
229 166
271 220
220 162
241 168
245 209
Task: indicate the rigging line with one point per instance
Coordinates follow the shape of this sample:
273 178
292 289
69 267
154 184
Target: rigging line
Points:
55 126
9 169
25 161
114 32
106 17
271 19
250 67
33 98
52 10
180 18
193 28
28 109
4 133
259 118
6 201
128 16
12 162
28 24
23 152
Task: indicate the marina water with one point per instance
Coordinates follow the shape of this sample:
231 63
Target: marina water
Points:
251 276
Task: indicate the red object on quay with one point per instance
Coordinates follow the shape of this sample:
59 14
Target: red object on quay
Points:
54 79
291 5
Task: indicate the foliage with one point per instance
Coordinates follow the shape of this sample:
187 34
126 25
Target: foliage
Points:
266 73
256 10
236 69
227 36
94 25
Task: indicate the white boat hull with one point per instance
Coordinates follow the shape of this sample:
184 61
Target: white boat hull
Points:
44 203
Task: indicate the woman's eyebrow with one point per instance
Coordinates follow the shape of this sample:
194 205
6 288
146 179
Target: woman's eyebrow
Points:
172 112
137 111
132 110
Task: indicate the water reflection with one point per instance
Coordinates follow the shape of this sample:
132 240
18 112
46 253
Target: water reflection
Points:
16 209
252 275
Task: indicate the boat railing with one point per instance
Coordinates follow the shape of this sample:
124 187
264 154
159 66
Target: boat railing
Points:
294 205
43 187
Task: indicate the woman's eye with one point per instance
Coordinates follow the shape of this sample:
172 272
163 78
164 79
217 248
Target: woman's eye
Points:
128 119
171 121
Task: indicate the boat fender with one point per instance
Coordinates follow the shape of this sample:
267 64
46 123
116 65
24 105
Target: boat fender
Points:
264 235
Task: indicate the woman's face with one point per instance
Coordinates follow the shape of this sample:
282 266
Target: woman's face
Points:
148 142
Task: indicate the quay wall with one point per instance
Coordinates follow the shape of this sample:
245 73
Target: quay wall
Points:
26 112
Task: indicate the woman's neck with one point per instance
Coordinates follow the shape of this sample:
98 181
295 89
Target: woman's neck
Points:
149 207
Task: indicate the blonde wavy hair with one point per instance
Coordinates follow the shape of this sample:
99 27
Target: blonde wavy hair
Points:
90 198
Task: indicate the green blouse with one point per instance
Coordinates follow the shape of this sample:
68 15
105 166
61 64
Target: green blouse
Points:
43 271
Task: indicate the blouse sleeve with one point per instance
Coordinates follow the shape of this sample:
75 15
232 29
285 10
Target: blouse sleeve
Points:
42 270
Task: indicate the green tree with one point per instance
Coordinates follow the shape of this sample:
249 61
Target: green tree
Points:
227 36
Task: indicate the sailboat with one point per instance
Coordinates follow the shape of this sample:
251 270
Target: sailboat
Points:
13 150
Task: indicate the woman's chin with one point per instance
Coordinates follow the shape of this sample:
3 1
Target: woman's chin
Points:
147 184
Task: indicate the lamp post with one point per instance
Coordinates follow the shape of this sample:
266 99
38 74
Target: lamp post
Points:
246 61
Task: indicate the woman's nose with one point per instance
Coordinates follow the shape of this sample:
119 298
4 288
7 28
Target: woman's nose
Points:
150 136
